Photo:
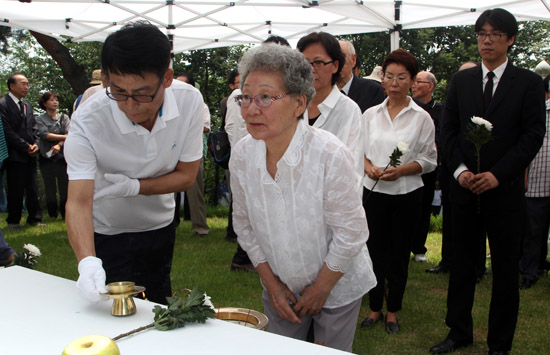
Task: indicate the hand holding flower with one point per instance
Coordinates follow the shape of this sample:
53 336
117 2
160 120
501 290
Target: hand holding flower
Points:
391 174
483 182
465 179
388 174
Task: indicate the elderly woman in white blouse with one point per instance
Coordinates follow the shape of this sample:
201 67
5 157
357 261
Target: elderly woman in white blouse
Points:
392 197
296 204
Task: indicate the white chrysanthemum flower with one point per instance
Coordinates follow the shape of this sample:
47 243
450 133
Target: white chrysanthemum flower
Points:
33 250
482 122
403 147
207 301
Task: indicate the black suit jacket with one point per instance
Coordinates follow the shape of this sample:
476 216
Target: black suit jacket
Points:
18 134
366 93
517 112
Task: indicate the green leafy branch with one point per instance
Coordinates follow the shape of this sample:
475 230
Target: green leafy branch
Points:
193 308
395 160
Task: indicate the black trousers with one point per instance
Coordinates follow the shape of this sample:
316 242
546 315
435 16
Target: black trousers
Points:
390 219
447 237
420 234
503 222
22 179
535 247
142 257
54 174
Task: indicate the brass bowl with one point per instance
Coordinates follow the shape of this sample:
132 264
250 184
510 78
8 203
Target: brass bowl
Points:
121 287
242 316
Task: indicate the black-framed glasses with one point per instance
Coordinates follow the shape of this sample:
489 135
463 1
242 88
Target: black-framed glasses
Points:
138 98
261 100
493 37
420 81
319 63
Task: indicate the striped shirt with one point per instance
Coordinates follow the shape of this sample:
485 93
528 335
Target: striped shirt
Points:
538 183
3 146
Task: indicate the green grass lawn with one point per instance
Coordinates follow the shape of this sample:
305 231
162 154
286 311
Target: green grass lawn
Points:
205 261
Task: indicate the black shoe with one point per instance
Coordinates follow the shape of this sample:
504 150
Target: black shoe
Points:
369 322
526 283
498 352
447 346
392 327
439 269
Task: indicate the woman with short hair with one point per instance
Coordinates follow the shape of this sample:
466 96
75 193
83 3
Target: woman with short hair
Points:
330 109
392 195
52 129
296 207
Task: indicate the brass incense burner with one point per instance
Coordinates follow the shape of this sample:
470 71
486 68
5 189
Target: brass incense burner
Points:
122 293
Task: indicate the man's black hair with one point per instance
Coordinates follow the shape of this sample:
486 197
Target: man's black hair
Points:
278 40
500 19
136 49
232 75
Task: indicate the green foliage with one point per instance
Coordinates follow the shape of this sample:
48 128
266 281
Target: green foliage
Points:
24 55
190 309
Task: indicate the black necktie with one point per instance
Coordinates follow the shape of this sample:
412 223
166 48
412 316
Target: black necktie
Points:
488 93
22 108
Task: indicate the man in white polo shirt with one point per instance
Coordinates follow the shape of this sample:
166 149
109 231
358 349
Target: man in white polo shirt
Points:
127 152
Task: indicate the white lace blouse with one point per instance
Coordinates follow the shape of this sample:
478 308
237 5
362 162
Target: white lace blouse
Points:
310 214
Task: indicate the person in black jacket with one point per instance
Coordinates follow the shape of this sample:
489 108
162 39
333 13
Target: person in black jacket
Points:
489 191
22 139
366 93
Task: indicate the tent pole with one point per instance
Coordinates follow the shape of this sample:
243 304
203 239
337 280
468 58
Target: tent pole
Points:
394 40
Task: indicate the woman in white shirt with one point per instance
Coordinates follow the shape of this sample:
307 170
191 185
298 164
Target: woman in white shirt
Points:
296 207
330 109
392 197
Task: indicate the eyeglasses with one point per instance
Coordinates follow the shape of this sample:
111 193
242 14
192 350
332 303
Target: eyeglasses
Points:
137 98
262 100
318 63
420 81
493 37
399 79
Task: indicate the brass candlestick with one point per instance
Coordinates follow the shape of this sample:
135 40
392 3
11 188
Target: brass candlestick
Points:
122 293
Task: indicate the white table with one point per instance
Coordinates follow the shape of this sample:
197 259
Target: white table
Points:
41 314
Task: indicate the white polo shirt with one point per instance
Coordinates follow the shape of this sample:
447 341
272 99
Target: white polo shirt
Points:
103 140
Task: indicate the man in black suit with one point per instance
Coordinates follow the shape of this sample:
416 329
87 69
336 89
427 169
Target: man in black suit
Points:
365 93
512 100
22 138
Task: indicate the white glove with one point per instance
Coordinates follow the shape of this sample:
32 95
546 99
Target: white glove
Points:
91 281
122 186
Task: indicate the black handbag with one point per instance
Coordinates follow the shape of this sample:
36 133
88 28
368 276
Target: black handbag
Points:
220 148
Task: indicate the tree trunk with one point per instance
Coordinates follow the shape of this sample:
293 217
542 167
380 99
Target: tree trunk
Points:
72 71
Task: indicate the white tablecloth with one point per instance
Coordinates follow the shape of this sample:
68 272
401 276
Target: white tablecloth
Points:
40 314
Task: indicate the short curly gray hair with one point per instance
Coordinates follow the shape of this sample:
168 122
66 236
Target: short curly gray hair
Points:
269 57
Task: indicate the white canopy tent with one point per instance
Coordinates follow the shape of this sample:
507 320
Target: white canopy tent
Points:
202 24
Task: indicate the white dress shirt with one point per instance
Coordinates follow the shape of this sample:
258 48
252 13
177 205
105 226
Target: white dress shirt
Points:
310 214
412 126
235 126
341 116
